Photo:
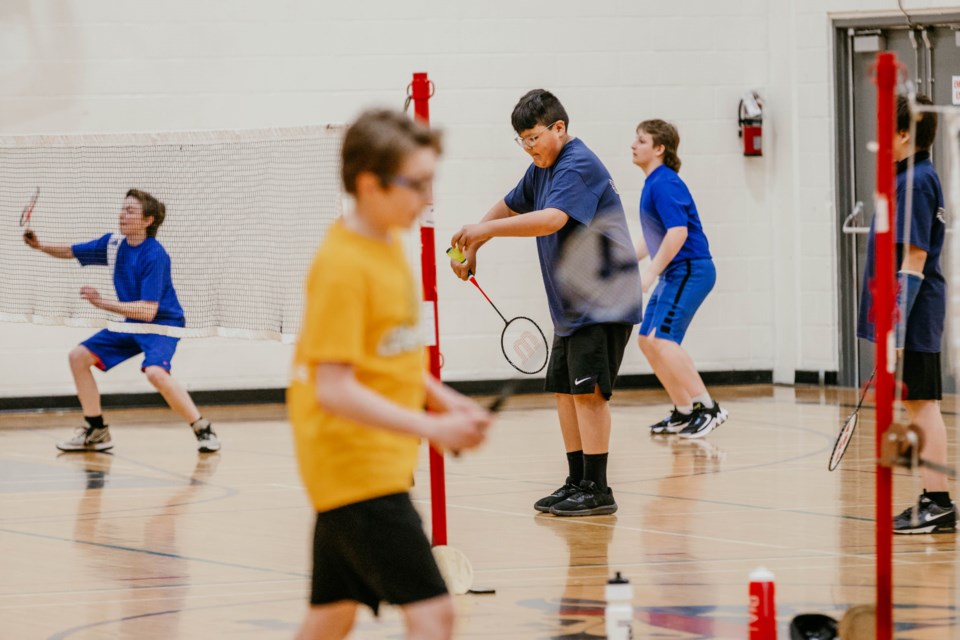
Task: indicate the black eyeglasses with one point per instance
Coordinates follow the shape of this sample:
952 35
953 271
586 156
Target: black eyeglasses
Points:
530 141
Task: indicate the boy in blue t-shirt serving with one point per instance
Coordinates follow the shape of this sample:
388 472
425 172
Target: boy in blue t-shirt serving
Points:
921 307
145 294
567 195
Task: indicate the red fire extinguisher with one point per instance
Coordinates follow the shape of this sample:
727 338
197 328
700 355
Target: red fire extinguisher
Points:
750 119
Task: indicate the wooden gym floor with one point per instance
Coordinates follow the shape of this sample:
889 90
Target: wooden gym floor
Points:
154 541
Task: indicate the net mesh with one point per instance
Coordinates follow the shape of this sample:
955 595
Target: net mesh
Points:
245 212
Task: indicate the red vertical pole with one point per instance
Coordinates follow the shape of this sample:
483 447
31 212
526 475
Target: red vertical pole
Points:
421 90
884 306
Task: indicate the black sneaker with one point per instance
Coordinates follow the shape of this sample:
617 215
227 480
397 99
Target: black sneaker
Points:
931 518
673 423
568 489
589 500
704 420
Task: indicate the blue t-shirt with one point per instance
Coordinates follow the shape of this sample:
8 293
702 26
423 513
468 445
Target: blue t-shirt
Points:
666 203
579 185
139 273
927 231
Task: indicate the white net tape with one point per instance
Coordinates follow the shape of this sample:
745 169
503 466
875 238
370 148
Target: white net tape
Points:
245 211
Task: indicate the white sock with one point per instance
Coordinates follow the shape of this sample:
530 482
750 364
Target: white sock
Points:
704 399
686 409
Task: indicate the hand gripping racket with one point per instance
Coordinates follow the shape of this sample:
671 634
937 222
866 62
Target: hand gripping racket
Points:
846 432
28 210
522 341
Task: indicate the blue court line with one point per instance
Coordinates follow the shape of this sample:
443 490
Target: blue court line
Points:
150 552
66 633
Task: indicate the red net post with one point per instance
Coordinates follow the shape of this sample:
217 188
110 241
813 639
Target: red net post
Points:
420 92
884 286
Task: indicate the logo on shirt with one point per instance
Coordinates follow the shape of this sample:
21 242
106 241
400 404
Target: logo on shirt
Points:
942 215
400 340
614 187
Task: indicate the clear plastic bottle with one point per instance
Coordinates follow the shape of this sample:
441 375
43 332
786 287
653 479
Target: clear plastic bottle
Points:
619 612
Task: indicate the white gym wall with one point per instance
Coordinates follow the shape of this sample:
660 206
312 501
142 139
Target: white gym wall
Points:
110 66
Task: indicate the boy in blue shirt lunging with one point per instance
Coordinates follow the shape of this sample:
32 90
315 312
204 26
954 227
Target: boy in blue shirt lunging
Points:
145 294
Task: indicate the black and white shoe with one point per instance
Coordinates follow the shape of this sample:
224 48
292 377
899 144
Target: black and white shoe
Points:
673 423
930 518
88 439
704 420
207 441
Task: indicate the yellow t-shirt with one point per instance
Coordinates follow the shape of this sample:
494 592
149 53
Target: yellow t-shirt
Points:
362 309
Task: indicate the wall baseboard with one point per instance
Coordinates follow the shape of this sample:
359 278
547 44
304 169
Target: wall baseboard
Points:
271 396
814 377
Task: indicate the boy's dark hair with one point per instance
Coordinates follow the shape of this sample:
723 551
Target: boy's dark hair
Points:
378 141
152 208
663 133
538 106
926 121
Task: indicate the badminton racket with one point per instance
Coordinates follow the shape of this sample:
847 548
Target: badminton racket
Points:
25 217
846 432
28 210
522 341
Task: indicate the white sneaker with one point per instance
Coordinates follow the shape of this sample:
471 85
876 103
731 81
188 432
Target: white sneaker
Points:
88 439
207 441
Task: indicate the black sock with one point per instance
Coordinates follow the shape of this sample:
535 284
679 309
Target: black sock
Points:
942 498
95 422
575 465
595 468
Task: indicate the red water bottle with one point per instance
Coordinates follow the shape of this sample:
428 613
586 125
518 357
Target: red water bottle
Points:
763 610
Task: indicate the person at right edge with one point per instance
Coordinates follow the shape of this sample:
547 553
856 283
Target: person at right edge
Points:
921 306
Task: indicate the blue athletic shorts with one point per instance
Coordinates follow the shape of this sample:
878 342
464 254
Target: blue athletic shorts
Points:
111 348
681 290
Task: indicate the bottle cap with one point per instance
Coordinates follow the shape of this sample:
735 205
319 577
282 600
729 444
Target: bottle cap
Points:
761 574
618 579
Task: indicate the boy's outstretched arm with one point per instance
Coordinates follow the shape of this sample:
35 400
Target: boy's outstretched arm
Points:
144 310
340 393
469 265
63 251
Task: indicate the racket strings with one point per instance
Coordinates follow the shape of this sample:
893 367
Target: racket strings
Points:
524 345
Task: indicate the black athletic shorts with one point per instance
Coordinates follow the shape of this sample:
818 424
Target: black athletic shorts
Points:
921 376
371 552
588 357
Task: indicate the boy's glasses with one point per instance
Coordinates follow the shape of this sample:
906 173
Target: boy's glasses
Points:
530 141
421 186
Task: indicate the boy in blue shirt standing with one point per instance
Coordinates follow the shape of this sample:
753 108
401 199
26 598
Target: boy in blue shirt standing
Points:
921 307
567 192
145 294
681 259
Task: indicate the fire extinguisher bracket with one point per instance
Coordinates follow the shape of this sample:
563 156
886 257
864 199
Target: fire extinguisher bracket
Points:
750 123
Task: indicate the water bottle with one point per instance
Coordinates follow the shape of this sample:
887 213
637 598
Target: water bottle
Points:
763 610
619 611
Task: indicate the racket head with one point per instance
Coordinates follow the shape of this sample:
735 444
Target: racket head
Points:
455 568
28 210
843 440
524 345
597 273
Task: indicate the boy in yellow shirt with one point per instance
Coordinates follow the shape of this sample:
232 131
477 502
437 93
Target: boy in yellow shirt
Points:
359 388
